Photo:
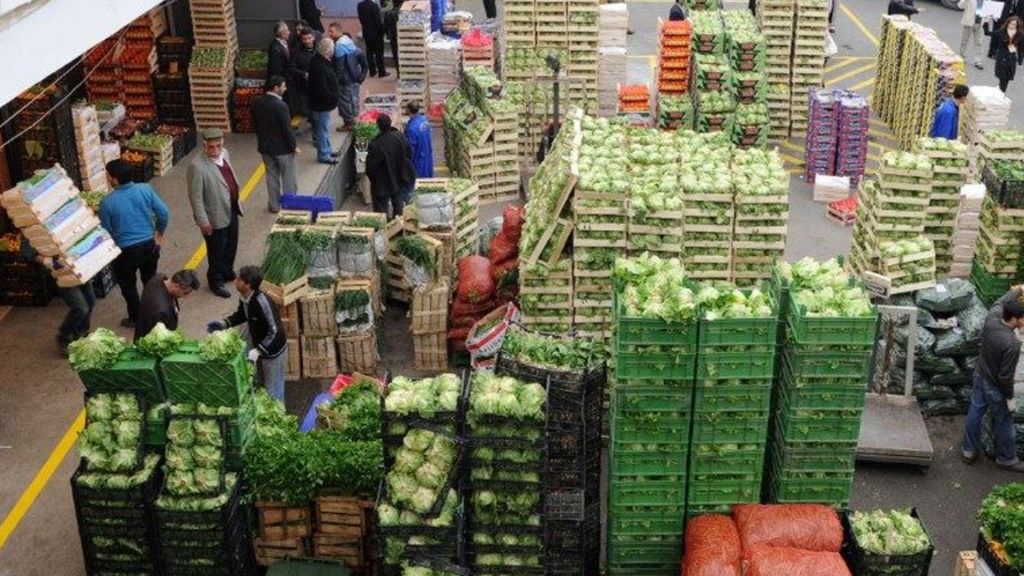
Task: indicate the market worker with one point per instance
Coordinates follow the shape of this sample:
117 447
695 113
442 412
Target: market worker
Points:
275 141
344 51
136 218
992 390
677 12
80 300
970 27
323 99
160 300
270 349
311 13
389 168
373 35
947 117
213 192
420 138
298 70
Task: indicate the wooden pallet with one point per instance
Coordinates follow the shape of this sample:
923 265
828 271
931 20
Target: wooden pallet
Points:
280 521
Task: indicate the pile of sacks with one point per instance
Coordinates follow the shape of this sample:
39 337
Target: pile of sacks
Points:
950 318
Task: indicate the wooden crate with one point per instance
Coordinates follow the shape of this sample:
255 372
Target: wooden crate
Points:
359 352
287 294
430 309
318 357
293 371
339 548
431 351
279 521
446 256
966 563
342 516
318 313
290 319
270 552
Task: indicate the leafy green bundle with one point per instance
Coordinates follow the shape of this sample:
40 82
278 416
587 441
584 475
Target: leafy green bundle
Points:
286 259
896 532
423 398
111 439
354 412
823 289
195 454
419 476
161 341
1002 521
222 346
655 288
96 351
725 300
506 397
552 353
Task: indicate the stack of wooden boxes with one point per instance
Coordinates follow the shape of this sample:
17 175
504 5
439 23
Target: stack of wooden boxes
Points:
211 73
90 148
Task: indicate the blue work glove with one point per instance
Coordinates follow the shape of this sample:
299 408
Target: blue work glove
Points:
212 327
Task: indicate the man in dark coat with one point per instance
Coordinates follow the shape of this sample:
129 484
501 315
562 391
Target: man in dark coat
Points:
323 99
298 69
160 299
677 12
389 168
278 53
373 35
391 25
275 141
309 12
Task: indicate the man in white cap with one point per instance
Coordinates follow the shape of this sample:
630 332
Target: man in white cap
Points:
213 190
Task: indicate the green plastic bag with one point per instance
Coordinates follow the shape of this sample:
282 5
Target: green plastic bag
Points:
952 295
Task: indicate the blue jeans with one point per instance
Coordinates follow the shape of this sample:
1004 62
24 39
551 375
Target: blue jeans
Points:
355 98
986 397
272 373
321 134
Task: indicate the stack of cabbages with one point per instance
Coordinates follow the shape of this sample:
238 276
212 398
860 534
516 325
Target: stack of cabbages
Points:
949 321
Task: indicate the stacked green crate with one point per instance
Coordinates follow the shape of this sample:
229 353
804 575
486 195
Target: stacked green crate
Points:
735 367
650 424
819 397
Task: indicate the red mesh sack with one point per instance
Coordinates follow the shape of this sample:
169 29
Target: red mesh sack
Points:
712 547
503 248
461 309
805 526
512 222
499 270
475 281
459 333
772 561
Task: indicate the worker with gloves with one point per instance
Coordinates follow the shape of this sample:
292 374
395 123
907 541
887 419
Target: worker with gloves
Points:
993 383
270 348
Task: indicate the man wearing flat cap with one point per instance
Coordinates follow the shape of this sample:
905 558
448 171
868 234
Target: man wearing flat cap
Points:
213 190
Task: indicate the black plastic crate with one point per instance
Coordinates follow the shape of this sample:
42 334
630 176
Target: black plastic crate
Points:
220 517
863 563
998 567
573 547
1008 193
103 282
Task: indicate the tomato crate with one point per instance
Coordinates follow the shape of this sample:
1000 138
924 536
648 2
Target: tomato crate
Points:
731 365
738 332
654 365
715 491
743 397
864 563
640 524
627 462
732 426
651 429
131 372
819 426
813 368
726 460
818 330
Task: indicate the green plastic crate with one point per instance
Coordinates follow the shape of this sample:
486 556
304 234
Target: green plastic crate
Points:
839 331
644 558
156 428
633 330
834 490
639 524
190 379
732 426
652 429
131 372
733 365
645 399
821 398
755 398
710 460
823 427
625 461
654 365
824 458
988 286
308 567
702 509
807 368
647 492
670 385
731 332
716 491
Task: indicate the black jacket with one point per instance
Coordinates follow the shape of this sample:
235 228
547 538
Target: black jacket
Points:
311 14
298 65
1000 349
273 123
1006 61
389 164
905 8
370 20
323 85
265 328
277 59
676 13
155 306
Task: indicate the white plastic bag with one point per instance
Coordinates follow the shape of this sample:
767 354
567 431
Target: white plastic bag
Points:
830 46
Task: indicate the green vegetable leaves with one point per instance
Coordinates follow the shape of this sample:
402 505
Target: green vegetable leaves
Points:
1002 520
111 441
896 532
160 341
96 351
222 346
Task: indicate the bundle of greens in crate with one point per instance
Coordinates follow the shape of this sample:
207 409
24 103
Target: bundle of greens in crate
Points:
106 363
194 462
357 251
910 264
286 259
951 167
707 205
505 428
419 259
319 242
761 187
750 125
715 110
830 332
353 309
998 249
735 365
376 222
750 87
111 442
887 542
1001 518
467 199
434 400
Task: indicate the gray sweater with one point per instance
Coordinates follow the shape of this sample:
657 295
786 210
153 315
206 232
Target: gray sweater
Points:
1000 348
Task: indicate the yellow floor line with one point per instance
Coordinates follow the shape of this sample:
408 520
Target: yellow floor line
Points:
791 146
862 85
53 461
860 25
795 172
881 135
850 74
791 159
844 62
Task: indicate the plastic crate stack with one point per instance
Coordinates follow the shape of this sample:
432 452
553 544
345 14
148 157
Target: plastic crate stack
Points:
761 187
986 110
818 404
52 132
822 133
997 253
651 409
746 48
950 166
776 20
852 151
811 29
90 150
139 61
732 396
508 503
173 100
708 211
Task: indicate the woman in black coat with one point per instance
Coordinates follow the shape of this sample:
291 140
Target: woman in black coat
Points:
1009 43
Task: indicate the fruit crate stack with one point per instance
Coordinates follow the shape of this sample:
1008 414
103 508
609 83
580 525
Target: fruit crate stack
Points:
159 146
139 61
852 151
241 108
732 396
656 201
104 84
582 27
966 232
211 76
468 133
887 75
442 67
761 187
998 250
505 512
173 101
950 166
811 29
712 93
466 195
776 20
651 409
985 114
819 396
214 25
413 29
708 210
822 133
504 115
49 122
989 147
90 150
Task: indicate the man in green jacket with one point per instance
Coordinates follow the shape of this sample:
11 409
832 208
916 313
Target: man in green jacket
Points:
213 190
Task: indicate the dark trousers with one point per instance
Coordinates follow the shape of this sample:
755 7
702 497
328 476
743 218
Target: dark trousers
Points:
375 56
221 247
490 8
393 38
1003 84
397 202
80 300
140 259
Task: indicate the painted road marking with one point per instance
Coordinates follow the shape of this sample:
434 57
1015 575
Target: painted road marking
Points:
850 74
845 61
860 25
863 85
35 488
791 159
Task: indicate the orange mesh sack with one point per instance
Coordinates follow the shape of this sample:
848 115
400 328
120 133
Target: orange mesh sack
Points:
712 547
805 526
770 561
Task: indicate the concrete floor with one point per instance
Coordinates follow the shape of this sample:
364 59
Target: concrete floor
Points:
40 397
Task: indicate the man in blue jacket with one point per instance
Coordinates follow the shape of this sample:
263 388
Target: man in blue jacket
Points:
947 117
136 218
418 133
